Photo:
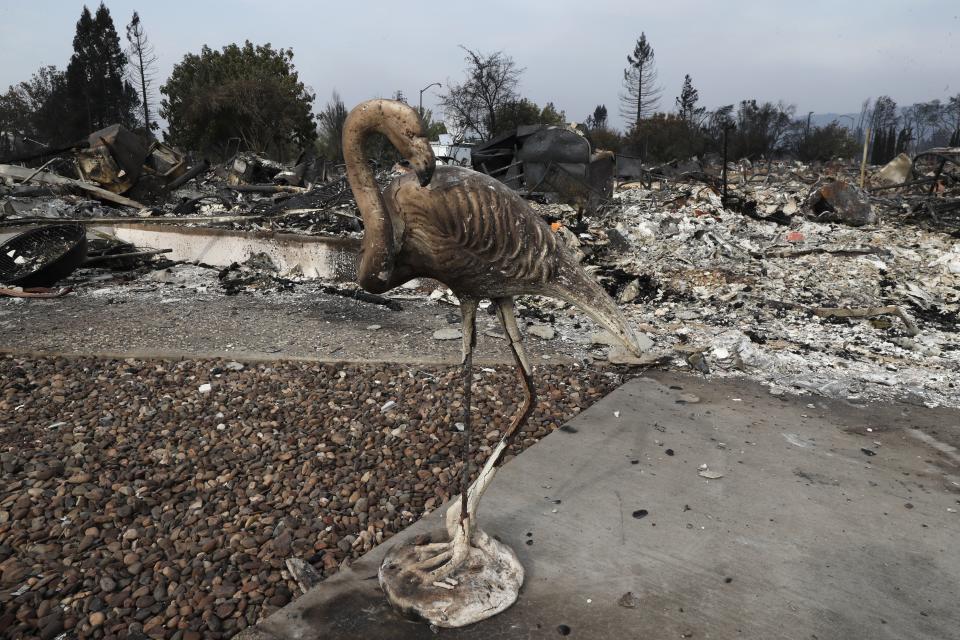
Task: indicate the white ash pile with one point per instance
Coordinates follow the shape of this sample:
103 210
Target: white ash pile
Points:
857 312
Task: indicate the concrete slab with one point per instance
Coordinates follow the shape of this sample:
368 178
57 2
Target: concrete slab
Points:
311 256
829 521
170 320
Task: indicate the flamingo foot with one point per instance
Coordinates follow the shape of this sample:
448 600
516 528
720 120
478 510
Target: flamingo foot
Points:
455 583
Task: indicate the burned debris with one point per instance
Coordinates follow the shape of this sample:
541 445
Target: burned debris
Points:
838 201
780 270
798 277
924 188
117 160
549 163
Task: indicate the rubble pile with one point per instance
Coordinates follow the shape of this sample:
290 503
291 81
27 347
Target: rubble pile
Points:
248 192
829 278
786 294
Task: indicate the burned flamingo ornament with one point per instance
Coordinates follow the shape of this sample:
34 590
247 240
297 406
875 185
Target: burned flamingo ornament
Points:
479 238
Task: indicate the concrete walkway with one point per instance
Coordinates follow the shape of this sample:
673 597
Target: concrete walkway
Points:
806 535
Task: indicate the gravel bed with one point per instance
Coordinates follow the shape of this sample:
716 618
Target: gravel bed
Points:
161 499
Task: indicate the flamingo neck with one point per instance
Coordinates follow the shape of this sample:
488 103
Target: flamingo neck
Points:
378 244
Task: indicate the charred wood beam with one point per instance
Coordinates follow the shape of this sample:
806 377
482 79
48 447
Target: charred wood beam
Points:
362 296
45 177
845 312
120 256
175 220
868 312
47 152
192 173
266 188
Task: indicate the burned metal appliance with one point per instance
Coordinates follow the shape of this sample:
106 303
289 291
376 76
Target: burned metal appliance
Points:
42 256
548 162
116 158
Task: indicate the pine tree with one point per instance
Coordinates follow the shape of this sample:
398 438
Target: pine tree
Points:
143 61
641 93
599 118
687 104
331 121
97 93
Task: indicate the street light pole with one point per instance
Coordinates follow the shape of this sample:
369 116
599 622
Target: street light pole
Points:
421 95
853 130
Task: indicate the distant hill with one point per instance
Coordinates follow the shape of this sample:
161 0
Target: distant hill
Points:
823 119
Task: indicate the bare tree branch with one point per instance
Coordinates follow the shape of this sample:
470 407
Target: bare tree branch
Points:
491 83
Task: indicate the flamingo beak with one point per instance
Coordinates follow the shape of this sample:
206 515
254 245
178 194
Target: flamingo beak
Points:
422 160
425 174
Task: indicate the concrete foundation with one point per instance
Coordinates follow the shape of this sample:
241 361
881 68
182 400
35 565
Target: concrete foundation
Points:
313 256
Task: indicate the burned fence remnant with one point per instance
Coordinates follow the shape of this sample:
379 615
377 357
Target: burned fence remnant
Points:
943 165
549 162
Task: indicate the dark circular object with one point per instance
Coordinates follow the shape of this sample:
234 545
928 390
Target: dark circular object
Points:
669 452
564 630
42 256
640 513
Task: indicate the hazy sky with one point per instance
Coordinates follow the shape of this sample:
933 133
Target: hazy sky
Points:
821 56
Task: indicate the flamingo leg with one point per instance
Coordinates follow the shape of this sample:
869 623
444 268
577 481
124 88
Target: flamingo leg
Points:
443 559
508 319
440 560
468 310
470 498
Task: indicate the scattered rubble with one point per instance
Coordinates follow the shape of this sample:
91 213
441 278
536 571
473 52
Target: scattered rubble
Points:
447 334
837 201
897 171
776 270
798 302
551 163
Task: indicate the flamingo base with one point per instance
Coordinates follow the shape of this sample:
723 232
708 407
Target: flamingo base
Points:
485 584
